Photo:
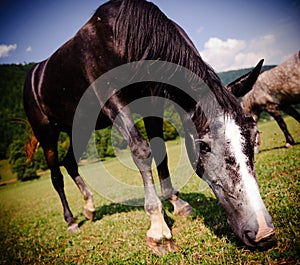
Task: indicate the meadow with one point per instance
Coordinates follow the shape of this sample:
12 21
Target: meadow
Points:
32 229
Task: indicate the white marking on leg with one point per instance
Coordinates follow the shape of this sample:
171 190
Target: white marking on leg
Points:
158 229
73 228
153 206
181 207
89 207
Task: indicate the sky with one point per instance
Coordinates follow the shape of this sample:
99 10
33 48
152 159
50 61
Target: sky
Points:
229 34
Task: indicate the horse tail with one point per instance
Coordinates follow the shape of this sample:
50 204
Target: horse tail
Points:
32 144
31 147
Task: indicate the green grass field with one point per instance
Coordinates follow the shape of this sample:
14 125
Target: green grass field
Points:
33 231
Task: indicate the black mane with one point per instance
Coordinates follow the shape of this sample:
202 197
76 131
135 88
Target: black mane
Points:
143 32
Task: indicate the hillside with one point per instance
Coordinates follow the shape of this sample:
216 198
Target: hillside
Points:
11 103
229 76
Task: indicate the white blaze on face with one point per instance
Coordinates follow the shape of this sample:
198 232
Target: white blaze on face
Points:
236 142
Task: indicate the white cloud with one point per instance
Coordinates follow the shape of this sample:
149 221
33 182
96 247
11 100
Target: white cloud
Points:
29 49
224 55
218 53
6 49
229 44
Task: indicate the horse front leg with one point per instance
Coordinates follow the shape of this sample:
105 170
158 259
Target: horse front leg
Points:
159 236
154 128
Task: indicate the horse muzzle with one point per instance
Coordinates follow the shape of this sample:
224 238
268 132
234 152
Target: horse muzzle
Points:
263 237
262 243
258 232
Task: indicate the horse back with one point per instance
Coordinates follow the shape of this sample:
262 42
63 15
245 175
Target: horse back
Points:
279 85
282 83
57 84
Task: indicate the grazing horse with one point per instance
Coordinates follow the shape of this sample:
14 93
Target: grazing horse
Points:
220 148
276 89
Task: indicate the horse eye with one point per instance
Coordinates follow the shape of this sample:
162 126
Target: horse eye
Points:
257 138
204 148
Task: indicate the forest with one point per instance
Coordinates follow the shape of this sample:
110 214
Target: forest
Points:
15 131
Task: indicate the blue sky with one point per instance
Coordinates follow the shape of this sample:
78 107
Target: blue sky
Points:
229 34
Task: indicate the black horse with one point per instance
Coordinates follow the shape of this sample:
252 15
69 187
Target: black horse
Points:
220 148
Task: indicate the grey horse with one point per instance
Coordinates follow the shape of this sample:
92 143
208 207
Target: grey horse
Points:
275 90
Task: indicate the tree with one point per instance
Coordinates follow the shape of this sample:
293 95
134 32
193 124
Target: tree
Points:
170 133
100 145
11 103
25 169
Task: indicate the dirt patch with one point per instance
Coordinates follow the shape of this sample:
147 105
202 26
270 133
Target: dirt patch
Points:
2 183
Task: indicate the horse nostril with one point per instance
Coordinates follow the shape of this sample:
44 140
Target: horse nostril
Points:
263 244
251 235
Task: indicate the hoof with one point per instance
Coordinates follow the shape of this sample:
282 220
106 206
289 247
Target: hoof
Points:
88 213
73 229
186 211
288 145
161 247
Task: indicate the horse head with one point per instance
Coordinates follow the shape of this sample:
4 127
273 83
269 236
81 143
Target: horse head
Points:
221 149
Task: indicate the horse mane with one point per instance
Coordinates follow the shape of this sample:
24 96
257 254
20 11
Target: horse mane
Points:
143 32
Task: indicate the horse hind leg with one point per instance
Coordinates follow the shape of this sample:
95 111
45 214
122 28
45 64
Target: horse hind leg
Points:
48 140
295 114
71 166
89 207
275 113
292 112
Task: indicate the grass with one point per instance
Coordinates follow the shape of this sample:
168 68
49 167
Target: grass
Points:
5 172
33 231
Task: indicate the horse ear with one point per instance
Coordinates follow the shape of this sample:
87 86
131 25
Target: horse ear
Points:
241 86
